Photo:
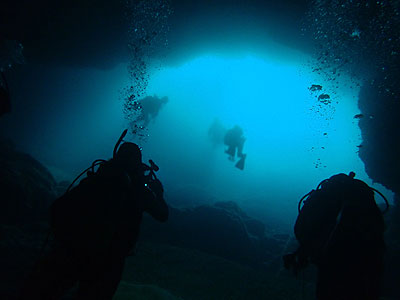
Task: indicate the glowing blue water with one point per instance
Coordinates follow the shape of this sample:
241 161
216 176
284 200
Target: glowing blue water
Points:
292 140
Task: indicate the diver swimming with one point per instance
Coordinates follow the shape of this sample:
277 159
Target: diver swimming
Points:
150 106
233 138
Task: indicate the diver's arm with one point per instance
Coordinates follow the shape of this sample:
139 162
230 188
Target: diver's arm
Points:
155 204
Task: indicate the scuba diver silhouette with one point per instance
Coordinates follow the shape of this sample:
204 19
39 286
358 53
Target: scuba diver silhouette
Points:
234 139
96 225
150 107
340 230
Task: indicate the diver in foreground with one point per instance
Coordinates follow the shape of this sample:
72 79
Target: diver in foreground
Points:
234 139
340 230
96 226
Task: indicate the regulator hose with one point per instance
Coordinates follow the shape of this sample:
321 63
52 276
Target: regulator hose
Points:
384 198
119 142
94 164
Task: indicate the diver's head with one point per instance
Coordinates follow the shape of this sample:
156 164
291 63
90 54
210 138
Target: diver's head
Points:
130 156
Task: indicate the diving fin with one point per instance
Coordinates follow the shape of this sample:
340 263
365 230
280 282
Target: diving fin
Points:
240 163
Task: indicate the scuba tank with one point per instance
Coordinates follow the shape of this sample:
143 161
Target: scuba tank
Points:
338 202
343 177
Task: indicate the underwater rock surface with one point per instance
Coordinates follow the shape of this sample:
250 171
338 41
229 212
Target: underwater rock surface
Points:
222 229
361 38
26 187
128 291
212 251
380 131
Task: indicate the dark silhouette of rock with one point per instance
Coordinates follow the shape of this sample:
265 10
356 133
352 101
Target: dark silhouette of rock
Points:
379 130
26 186
254 227
221 229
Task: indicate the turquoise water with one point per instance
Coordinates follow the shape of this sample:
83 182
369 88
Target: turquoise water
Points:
292 140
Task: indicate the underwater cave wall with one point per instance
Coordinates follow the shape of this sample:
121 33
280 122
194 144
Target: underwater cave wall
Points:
380 128
361 38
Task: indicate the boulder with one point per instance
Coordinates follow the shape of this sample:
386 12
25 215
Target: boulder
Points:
26 187
221 229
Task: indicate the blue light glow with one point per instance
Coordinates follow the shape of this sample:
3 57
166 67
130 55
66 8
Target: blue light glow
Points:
292 140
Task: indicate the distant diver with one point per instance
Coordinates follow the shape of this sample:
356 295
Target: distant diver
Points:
234 139
96 226
150 107
340 229
5 102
